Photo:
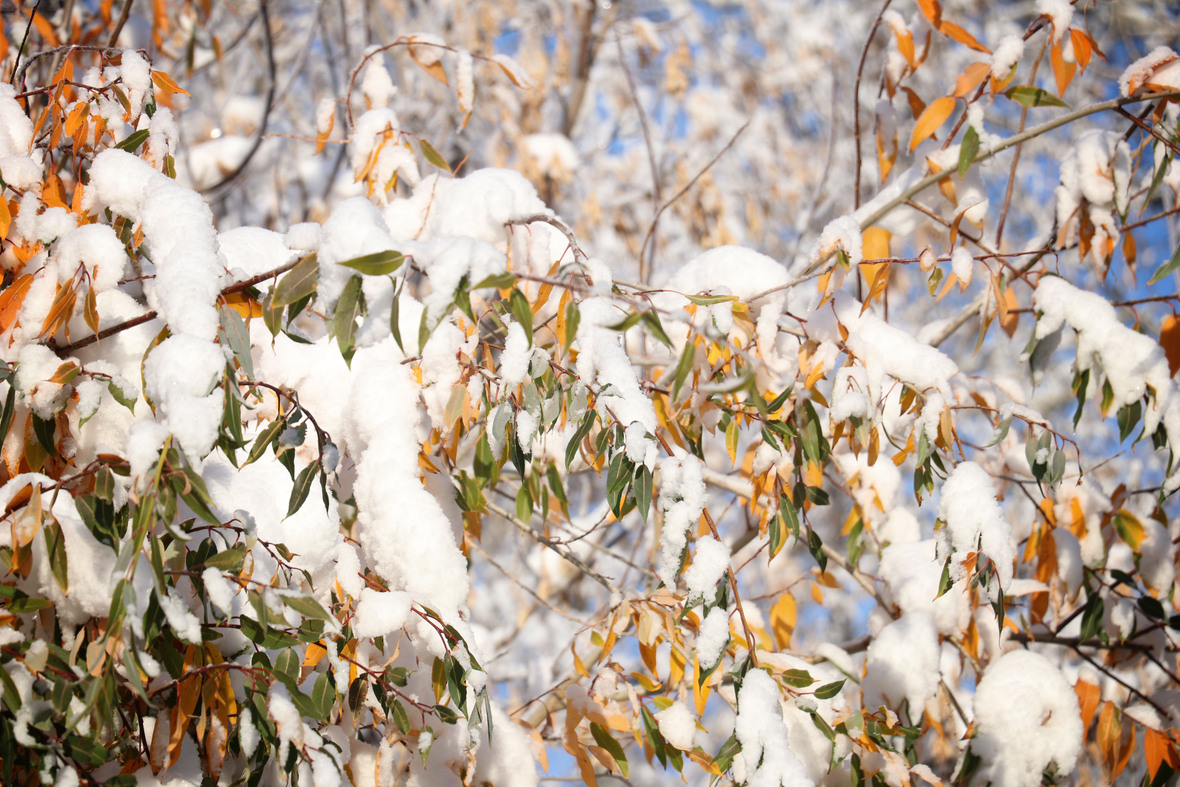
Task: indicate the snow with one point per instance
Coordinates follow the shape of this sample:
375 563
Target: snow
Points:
1016 741
97 248
1006 56
709 564
380 613
1132 363
1060 13
603 364
713 638
682 499
766 758
1095 177
514 361
902 664
377 87
1158 70
465 82
552 155
962 264
974 522
912 574
842 233
889 352
678 726
16 129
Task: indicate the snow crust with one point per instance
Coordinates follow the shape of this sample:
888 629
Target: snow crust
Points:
766 758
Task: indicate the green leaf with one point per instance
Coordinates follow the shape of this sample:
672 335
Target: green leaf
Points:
55 547
501 281
797 678
1029 96
302 486
433 156
265 439
299 282
683 366
789 514
380 263
816 547
237 336
729 749
519 305
710 300
229 559
1128 418
306 606
45 429
1152 607
1165 269
323 695
944 582
651 321
1092 616
10 408
968 149
643 489
571 448
350 306
775 528
654 736
604 739
829 690
399 717
134 140
286 667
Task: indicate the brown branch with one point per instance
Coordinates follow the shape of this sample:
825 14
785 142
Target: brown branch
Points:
114 39
86 341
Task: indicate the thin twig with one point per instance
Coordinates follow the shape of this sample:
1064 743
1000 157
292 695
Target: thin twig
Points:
270 100
656 196
23 42
541 538
114 39
553 221
864 53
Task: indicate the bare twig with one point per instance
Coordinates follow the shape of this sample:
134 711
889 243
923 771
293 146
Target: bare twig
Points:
268 38
123 16
656 196
860 67
565 554
25 40
553 221
652 229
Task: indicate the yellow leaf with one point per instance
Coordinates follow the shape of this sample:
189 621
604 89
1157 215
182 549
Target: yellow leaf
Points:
953 31
783 615
932 10
932 117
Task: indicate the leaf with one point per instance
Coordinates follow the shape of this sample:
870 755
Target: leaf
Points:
571 448
237 335
55 548
133 140
60 311
953 31
604 739
228 559
683 366
298 283
652 321
1029 96
166 83
968 149
379 263
302 486
829 690
797 678
1129 528
789 513
783 617
350 306
433 156
1092 616
1170 341
1163 270
932 117
710 300
642 487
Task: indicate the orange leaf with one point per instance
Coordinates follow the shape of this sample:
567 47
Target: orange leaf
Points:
166 83
60 311
1157 748
5 219
45 28
1062 71
1081 47
783 615
932 10
243 304
951 30
931 119
970 78
1088 697
1170 341
905 45
12 299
